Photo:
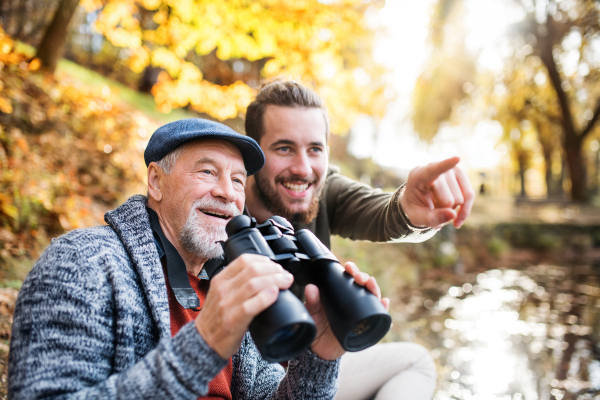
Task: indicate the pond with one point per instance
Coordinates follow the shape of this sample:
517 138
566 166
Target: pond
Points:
510 334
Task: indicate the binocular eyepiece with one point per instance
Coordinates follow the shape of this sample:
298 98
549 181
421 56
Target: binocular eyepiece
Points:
285 329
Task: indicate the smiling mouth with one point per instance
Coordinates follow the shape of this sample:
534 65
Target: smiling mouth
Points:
216 214
294 187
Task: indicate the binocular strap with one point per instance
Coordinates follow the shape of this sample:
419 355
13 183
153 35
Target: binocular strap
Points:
178 279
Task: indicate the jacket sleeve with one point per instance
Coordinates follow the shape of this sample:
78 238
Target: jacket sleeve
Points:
307 376
66 339
359 212
310 377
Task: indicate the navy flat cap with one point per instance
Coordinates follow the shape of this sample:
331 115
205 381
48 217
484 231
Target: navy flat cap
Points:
174 134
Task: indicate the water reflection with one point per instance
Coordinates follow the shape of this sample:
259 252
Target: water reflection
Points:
511 334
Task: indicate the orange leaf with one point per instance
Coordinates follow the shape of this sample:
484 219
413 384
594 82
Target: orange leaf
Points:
35 64
22 144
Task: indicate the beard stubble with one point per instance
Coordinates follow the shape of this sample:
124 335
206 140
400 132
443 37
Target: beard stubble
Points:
273 202
203 239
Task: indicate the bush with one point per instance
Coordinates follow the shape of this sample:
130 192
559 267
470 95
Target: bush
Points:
68 153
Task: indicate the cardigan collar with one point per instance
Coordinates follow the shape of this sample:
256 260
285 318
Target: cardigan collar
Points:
131 223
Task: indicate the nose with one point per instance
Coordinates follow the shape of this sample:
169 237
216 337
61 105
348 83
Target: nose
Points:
301 165
224 190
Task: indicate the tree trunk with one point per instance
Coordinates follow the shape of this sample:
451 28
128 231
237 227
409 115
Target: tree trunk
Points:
9 17
522 179
21 19
149 79
577 170
51 47
572 139
596 173
550 189
543 138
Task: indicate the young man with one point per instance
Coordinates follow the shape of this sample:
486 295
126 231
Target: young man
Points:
291 125
100 316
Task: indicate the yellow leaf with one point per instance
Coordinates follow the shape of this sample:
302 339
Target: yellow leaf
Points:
6 105
10 211
190 72
139 60
90 5
166 59
151 4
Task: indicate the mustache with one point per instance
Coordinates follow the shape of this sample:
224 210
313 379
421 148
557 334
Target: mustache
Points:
213 203
296 178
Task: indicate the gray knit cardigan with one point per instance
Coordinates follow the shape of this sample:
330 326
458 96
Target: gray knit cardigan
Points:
92 322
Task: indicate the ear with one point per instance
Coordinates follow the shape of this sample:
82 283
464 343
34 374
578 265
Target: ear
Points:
155 180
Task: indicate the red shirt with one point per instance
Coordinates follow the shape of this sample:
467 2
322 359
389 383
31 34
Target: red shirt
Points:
220 386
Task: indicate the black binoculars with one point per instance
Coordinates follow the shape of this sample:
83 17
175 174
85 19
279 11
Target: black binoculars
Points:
285 329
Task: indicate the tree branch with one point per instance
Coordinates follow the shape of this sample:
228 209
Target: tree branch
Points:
546 46
542 111
592 121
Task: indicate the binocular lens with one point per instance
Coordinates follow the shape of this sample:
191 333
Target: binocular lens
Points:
367 332
363 326
283 334
288 342
283 330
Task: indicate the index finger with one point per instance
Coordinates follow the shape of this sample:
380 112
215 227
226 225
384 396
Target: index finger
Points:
432 171
374 287
360 277
351 268
469 196
363 279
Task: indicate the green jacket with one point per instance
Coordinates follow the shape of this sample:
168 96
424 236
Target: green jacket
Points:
356 211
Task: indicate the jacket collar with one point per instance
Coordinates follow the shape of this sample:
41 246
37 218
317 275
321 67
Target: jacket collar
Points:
131 223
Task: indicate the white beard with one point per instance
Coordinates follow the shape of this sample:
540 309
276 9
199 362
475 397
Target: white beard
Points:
200 238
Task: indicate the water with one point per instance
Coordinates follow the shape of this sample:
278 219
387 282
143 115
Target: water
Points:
510 334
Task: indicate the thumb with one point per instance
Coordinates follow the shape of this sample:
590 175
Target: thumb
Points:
434 218
313 299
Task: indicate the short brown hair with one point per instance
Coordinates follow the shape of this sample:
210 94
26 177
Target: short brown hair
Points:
284 94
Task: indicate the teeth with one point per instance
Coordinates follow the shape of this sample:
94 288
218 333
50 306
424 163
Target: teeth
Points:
296 188
216 214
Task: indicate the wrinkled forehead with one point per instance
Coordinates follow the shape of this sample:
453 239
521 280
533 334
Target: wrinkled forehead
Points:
216 151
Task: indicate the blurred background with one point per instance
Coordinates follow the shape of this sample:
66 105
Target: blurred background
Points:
509 305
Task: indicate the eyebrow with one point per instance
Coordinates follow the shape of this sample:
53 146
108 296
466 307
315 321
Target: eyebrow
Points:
242 171
208 160
291 142
204 160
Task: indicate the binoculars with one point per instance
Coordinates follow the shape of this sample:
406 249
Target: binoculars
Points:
285 329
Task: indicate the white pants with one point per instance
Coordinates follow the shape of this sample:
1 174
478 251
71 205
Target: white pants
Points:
399 371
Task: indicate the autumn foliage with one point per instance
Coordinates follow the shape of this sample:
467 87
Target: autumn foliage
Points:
326 45
67 153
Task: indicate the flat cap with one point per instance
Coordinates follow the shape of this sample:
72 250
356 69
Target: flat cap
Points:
172 135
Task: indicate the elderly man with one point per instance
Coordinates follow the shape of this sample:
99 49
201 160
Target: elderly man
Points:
105 312
290 123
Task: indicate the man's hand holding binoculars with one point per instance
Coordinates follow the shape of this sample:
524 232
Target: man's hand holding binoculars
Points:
248 286
241 291
325 344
